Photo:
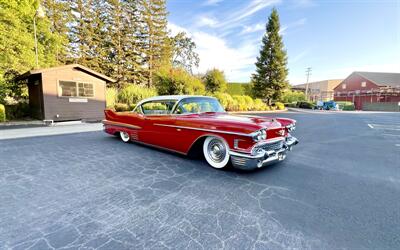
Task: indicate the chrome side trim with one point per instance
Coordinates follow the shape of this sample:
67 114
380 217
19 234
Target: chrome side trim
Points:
120 124
160 147
206 130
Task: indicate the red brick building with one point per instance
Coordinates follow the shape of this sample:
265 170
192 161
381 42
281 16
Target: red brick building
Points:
362 88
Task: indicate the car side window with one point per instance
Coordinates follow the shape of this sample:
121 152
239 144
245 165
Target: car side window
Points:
158 107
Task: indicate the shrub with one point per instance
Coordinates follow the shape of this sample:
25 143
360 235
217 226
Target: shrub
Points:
226 101
291 105
132 94
215 81
305 105
120 107
2 113
111 97
279 106
240 102
348 106
17 111
176 81
259 105
290 96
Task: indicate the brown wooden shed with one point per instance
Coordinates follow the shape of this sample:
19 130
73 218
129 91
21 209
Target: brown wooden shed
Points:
64 93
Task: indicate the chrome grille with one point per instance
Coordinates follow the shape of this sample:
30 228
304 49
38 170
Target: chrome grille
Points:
271 146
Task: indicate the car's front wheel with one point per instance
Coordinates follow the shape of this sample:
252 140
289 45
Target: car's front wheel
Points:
124 136
216 152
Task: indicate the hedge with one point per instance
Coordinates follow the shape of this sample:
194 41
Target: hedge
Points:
2 113
241 103
132 94
348 106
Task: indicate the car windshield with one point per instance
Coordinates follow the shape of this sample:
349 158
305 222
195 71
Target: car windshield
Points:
198 105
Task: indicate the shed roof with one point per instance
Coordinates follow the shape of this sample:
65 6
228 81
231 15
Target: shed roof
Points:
381 78
73 66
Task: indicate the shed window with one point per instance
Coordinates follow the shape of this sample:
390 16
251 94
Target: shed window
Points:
75 89
85 89
363 84
344 86
67 88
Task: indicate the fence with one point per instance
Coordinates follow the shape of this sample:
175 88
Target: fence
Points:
381 106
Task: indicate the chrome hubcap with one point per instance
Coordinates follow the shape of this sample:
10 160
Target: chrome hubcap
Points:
216 150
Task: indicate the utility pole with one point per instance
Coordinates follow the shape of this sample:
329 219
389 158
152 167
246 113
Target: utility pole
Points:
308 73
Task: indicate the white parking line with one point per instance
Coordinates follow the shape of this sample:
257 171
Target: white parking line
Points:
391 135
384 126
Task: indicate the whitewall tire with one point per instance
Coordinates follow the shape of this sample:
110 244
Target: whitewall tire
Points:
216 152
124 136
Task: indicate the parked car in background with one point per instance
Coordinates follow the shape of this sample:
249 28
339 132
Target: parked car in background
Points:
329 105
184 124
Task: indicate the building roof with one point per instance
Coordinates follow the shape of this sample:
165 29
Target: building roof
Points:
325 85
74 66
381 78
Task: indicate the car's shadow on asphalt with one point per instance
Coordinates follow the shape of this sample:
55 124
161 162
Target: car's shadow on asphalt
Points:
199 160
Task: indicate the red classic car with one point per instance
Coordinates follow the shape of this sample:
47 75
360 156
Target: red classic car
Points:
188 123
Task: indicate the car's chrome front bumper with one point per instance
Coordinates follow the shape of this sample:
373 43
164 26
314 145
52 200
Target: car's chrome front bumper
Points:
263 157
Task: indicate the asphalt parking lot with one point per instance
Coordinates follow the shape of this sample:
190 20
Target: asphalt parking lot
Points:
338 189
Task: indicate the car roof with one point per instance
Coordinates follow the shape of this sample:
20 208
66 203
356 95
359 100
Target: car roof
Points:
170 97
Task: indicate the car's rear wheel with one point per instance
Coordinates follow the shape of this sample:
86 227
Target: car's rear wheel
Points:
124 136
216 152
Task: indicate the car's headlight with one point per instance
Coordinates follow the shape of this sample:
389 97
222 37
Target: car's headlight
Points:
291 127
260 135
264 134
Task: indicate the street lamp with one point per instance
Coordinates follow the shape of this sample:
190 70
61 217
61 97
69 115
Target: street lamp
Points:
40 14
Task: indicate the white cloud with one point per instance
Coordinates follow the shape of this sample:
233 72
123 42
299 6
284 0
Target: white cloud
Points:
253 28
292 25
214 52
212 2
175 29
298 57
207 21
253 7
234 18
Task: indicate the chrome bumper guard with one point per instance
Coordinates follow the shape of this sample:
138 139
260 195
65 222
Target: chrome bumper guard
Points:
262 157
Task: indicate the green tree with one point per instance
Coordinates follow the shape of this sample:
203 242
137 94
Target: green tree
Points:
59 15
177 81
154 37
183 52
215 81
17 44
269 80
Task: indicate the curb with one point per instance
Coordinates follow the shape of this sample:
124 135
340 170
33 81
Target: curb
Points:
258 112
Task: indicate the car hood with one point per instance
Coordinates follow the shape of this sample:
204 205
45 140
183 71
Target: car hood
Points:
227 122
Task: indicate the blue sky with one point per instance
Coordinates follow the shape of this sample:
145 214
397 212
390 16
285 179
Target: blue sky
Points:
334 37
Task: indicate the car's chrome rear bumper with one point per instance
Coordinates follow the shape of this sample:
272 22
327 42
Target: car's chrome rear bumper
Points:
262 157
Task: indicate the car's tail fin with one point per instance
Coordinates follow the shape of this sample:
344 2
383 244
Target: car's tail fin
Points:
110 114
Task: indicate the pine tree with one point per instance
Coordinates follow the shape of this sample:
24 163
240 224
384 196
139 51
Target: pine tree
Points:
81 35
59 14
269 81
154 15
